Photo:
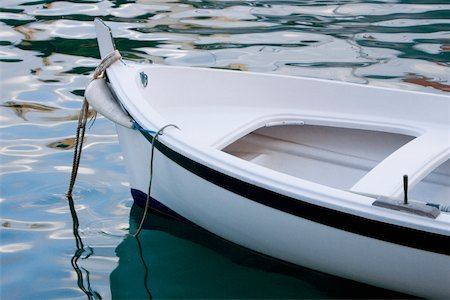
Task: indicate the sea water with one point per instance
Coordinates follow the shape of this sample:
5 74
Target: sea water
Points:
52 248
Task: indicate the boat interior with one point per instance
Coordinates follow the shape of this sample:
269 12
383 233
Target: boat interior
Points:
340 151
344 158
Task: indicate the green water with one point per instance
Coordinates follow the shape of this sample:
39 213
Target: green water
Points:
48 52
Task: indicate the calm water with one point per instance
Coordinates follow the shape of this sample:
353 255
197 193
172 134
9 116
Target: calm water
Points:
47 53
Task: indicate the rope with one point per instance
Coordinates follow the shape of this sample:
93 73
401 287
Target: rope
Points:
81 130
138 127
82 118
147 201
105 63
79 140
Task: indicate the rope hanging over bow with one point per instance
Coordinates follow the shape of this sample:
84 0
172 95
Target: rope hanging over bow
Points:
83 116
81 130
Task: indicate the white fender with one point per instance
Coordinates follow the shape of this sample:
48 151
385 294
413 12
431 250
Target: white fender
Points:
100 98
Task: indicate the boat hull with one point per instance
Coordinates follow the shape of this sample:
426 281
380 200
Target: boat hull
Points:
302 235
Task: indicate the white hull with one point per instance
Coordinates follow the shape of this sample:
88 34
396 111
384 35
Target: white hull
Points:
284 236
290 167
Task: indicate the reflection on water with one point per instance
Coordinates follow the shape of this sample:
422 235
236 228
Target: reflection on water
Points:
65 144
48 51
22 108
427 82
171 259
21 225
83 279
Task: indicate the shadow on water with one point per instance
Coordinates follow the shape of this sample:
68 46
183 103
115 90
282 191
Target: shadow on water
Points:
172 259
83 280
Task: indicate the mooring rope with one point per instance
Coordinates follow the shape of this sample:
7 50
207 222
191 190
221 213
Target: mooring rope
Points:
138 127
82 118
81 130
79 139
147 200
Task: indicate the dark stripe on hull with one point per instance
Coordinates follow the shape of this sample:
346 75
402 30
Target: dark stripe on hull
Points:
352 223
140 198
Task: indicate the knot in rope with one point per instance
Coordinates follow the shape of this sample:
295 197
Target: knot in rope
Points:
105 63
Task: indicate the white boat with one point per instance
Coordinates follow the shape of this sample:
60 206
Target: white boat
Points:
304 170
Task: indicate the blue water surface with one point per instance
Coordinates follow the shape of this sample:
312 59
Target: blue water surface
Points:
48 52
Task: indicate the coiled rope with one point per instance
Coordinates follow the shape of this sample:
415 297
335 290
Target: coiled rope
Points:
83 116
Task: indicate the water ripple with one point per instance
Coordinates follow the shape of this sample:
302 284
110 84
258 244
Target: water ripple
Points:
22 108
41 147
36 225
16 247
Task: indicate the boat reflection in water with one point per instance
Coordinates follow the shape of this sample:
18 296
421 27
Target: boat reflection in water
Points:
173 259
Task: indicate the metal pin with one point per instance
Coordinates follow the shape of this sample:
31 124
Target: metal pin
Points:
405 189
